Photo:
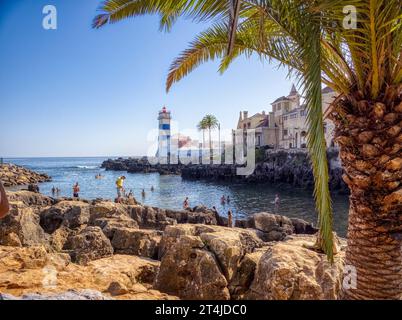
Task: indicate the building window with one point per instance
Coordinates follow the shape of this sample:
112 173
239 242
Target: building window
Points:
293 116
249 125
303 113
278 107
285 132
285 118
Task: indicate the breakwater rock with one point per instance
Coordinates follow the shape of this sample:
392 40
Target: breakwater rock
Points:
13 175
135 165
60 249
289 167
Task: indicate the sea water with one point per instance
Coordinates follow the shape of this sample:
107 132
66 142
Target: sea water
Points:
171 190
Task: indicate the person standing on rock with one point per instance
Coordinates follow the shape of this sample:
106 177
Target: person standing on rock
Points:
76 190
120 187
4 206
277 203
186 204
230 219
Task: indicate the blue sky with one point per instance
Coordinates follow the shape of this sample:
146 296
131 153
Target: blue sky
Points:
75 91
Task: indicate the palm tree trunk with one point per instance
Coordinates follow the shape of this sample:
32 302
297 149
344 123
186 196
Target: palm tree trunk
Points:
210 146
370 139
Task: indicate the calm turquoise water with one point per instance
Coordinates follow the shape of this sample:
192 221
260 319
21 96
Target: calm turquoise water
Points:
170 191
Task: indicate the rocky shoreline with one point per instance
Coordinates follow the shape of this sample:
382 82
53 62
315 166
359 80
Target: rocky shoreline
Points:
287 167
69 249
12 175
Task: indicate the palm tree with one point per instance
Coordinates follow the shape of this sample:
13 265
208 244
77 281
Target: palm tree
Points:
201 126
362 62
210 122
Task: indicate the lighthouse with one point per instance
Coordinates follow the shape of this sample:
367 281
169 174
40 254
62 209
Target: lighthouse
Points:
164 119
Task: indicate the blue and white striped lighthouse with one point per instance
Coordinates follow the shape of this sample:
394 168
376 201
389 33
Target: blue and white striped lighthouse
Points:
164 134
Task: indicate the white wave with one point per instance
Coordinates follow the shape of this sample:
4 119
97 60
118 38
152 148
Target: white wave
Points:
87 167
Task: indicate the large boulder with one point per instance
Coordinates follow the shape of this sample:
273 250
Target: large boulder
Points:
69 214
21 227
107 209
289 270
190 271
138 242
89 244
110 225
244 276
228 246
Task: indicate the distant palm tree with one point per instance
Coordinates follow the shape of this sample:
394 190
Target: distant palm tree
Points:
210 122
201 126
360 59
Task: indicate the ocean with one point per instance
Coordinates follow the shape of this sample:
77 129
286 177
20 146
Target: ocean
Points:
170 191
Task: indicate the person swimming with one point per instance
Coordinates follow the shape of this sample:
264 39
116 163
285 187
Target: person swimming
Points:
143 193
152 189
223 200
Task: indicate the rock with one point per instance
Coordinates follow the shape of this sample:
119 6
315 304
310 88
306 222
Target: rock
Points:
290 271
303 227
190 271
69 295
89 244
24 271
268 222
12 175
143 243
227 246
151 218
110 225
244 276
172 234
273 227
70 214
33 188
107 209
117 289
21 227
30 198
